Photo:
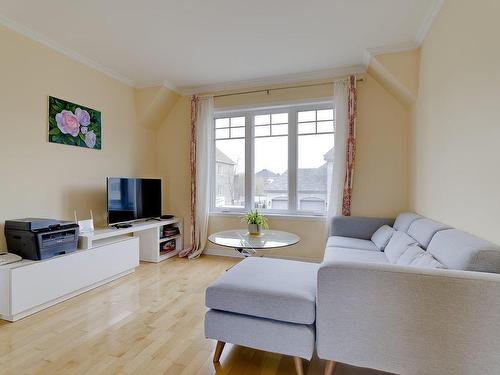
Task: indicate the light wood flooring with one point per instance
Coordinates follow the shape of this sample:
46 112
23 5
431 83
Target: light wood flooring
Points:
150 322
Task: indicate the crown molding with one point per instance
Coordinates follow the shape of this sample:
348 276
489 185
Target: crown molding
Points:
275 80
422 32
428 20
164 83
42 39
395 48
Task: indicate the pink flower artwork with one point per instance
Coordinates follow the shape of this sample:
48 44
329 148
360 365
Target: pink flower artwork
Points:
68 123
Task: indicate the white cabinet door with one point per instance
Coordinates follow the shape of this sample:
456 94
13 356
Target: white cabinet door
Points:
45 281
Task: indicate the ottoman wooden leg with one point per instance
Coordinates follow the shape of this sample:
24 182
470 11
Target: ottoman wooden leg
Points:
299 366
218 350
330 367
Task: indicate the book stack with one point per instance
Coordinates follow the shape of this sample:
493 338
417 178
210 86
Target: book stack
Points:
170 231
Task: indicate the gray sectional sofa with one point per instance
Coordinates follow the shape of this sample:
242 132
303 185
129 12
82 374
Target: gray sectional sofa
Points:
403 296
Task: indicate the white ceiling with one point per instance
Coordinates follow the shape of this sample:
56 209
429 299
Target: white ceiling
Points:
187 44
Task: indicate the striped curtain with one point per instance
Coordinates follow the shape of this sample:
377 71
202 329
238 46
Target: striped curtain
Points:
200 156
350 145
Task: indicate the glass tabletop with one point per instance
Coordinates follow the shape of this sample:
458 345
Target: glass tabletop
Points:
241 239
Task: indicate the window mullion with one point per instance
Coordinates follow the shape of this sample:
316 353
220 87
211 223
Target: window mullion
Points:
292 160
249 162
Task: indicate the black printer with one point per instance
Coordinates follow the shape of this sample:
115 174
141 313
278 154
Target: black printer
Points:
38 239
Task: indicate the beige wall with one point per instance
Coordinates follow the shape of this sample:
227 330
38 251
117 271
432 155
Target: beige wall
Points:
455 136
50 180
381 173
43 179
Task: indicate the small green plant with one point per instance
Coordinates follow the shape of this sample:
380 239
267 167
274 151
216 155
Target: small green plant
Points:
254 217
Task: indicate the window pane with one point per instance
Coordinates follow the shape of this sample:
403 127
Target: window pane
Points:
307 127
306 116
261 131
230 173
280 129
237 132
325 114
271 173
315 155
221 133
222 123
325 127
279 118
262 119
237 121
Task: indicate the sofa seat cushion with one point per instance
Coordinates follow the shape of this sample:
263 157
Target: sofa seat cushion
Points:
463 251
351 243
352 255
424 229
278 289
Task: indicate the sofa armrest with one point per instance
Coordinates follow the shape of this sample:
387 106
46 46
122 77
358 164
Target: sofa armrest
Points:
356 226
407 320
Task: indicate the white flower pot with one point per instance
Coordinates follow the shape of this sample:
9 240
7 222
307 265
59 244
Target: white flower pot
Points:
254 229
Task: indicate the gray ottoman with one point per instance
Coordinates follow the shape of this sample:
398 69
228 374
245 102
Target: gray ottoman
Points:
267 304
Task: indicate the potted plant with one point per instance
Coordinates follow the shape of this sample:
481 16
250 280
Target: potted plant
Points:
256 221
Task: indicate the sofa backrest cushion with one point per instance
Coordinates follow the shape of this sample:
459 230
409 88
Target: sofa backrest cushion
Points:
382 236
404 220
397 245
424 229
463 251
417 257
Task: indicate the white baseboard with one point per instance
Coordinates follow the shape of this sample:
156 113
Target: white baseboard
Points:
233 254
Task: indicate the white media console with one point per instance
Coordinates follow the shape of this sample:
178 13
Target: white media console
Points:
104 255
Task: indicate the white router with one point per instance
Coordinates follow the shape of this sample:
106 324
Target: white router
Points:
86 226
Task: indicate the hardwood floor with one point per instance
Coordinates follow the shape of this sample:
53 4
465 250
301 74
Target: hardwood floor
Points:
150 322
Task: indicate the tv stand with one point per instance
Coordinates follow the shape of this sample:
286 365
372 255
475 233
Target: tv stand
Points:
103 255
149 233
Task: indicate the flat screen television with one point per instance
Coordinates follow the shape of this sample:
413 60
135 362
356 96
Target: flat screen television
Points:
131 199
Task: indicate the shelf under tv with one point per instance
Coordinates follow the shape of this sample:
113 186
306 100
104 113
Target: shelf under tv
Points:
165 239
147 232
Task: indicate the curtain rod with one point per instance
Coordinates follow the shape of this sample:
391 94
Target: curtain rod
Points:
281 88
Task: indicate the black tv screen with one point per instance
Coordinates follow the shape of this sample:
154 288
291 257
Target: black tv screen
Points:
132 199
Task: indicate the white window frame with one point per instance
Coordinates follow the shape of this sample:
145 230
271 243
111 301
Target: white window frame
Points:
249 114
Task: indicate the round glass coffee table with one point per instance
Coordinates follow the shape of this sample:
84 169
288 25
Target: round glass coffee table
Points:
251 245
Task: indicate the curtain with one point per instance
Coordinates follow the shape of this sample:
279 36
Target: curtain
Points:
342 169
350 145
202 109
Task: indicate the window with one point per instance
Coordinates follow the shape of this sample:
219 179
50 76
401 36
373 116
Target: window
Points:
276 159
230 162
315 153
271 161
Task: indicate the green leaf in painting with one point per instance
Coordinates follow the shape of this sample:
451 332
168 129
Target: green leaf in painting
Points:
54 131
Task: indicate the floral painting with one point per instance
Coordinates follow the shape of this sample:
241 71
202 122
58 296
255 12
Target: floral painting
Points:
73 124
